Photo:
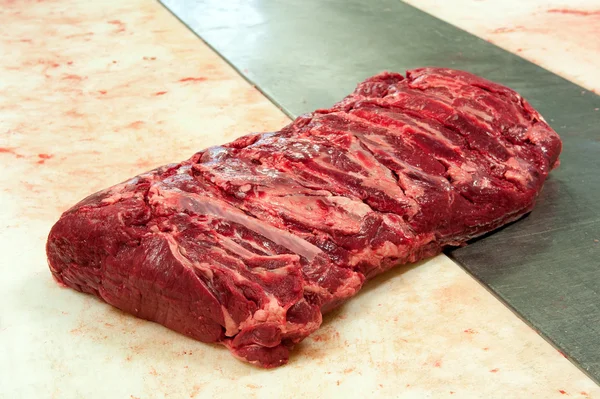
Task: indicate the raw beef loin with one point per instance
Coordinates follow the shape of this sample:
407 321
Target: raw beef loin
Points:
249 243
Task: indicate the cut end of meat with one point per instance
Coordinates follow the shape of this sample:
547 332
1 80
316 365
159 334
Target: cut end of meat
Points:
248 244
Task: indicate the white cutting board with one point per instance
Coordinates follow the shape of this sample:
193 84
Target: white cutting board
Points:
89 100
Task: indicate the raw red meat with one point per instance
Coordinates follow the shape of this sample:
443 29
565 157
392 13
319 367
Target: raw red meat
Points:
249 243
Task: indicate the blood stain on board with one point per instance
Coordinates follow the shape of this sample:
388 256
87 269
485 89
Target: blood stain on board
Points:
494 370
583 13
509 30
44 157
74 114
191 79
470 331
160 93
78 330
137 349
195 390
144 163
326 335
119 25
136 124
304 350
73 77
562 391
82 35
438 364
7 150
319 338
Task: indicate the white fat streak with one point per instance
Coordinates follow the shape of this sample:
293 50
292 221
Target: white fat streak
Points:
374 256
410 187
484 182
275 313
354 208
537 134
235 247
204 268
413 124
117 195
349 287
344 213
437 134
215 207
390 250
316 289
254 244
481 114
230 326
462 174
271 311
384 145
518 171
305 210
381 178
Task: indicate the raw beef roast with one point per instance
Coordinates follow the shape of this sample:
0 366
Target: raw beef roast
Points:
249 243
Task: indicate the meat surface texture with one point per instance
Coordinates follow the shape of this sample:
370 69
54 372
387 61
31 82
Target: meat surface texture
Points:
248 244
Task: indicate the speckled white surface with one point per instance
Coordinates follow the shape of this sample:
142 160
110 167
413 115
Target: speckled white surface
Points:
97 92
